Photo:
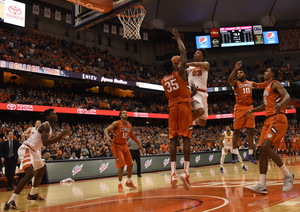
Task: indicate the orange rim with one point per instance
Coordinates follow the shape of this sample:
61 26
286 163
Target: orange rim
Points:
138 6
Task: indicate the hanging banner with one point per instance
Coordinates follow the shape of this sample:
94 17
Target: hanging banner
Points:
113 29
145 35
47 12
121 31
106 28
57 15
36 9
68 18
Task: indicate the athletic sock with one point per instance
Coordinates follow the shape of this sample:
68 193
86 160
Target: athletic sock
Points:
33 190
262 179
186 167
173 168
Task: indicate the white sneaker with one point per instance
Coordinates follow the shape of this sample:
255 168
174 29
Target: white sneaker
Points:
258 189
174 181
288 182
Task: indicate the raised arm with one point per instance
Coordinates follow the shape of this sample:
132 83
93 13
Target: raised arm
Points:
205 65
283 92
113 126
27 132
231 80
183 59
45 130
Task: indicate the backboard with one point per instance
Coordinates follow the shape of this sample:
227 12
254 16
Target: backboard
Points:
83 18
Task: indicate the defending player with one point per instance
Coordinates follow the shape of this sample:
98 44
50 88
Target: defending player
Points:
226 143
197 75
275 99
180 115
244 102
31 160
294 141
121 130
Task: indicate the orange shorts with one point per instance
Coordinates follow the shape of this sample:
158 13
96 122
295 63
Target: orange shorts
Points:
295 146
282 146
180 120
239 120
122 155
274 129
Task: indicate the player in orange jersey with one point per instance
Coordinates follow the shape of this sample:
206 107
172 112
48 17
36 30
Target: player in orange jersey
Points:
244 102
180 111
275 99
282 147
121 130
294 141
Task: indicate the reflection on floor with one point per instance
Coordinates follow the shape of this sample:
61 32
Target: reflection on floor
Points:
211 191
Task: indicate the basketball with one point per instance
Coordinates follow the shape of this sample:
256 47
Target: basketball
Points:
175 60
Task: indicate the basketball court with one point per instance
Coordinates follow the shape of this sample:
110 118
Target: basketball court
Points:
210 191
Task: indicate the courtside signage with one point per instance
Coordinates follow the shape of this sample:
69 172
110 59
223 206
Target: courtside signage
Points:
83 111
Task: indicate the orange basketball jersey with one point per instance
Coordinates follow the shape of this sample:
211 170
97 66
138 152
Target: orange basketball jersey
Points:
122 132
175 89
270 99
294 140
243 92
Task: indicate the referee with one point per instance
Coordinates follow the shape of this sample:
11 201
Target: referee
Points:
135 153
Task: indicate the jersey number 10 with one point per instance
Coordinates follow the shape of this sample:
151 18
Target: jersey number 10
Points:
246 90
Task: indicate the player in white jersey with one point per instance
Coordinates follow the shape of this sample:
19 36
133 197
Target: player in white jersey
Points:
31 130
29 150
226 143
197 75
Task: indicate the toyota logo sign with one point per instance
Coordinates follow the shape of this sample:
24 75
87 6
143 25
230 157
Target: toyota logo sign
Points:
136 114
80 110
15 10
11 106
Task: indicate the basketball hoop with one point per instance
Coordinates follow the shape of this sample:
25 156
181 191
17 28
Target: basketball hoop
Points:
131 20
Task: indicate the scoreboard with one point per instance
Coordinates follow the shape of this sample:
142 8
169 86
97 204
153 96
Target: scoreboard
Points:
236 36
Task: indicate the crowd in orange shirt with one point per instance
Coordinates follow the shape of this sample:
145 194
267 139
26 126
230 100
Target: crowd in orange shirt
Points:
45 50
89 138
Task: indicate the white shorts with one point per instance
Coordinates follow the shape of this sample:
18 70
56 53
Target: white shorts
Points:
201 98
29 157
225 150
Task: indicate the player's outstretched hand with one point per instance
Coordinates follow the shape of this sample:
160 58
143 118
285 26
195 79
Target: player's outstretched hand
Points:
66 132
248 113
176 34
238 64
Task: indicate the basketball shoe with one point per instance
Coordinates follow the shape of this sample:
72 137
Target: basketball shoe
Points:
130 185
174 181
288 182
120 188
186 182
258 189
11 205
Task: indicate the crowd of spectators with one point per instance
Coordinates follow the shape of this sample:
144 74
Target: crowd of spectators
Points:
44 49
87 140
11 92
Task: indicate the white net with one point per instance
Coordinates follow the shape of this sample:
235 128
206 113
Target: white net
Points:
131 20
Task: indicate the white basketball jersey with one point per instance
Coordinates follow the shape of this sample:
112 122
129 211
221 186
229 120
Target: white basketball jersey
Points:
33 130
35 140
228 139
197 76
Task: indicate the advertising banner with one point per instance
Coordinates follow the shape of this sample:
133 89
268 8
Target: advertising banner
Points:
97 168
